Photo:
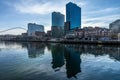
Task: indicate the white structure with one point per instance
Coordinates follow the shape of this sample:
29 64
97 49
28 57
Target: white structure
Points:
32 28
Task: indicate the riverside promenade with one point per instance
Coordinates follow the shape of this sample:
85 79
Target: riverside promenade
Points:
110 42
87 42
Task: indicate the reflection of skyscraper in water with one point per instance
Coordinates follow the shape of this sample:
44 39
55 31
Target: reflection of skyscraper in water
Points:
72 62
35 49
58 56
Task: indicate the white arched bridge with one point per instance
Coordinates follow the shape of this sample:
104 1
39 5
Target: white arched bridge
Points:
11 29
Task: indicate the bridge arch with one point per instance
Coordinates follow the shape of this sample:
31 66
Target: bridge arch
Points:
10 29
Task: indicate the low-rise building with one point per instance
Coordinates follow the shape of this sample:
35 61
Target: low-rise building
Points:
39 34
115 26
33 28
96 33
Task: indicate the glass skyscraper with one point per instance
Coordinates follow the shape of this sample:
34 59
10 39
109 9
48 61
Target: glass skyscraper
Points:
73 15
57 24
57 19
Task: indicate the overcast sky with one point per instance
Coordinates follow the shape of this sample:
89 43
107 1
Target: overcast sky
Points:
18 13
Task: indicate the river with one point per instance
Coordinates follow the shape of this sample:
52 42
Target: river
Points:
52 61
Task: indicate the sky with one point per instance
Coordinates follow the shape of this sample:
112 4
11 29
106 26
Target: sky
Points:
18 13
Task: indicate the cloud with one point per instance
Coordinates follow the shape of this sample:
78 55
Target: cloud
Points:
42 7
82 3
106 10
102 17
38 8
100 21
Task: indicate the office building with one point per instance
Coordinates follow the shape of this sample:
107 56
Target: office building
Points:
115 26
57 19
66 27
33 28
73 15
57 24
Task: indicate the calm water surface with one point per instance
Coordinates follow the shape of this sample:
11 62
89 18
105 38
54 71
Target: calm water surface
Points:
40 61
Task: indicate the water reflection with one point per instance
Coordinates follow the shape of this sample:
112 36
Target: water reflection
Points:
73 62
62 54
57 60
71 54
35 50
57 52
98 50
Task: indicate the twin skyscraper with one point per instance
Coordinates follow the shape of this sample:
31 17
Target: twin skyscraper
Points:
73 20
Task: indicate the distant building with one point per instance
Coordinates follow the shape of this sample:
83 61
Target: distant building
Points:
24 34
57 24
66 27
39 34
79 33
115 26
49 34
57 32
57 19
73 15
33 28
96 33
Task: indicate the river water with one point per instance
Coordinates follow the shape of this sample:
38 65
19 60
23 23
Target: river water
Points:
43 61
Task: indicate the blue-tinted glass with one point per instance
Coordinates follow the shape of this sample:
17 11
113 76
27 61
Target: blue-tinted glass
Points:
73 15
57 19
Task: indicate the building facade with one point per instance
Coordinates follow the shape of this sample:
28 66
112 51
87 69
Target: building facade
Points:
96 33
66 27
57 24
57 19
73 15
33 28
115 26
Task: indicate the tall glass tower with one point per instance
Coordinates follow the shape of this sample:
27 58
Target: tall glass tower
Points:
73 15
57 24
57 19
